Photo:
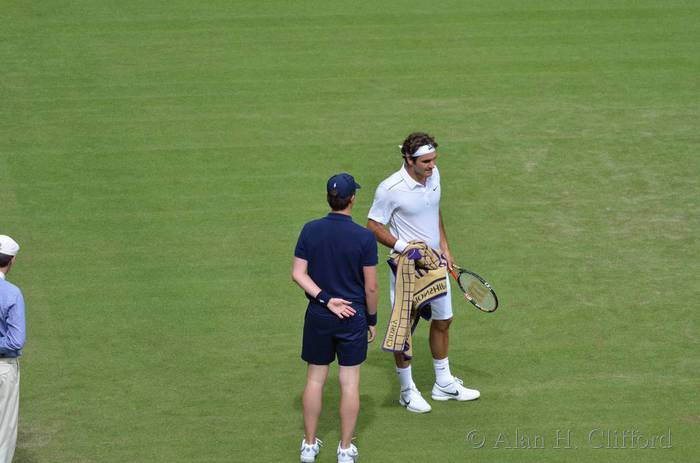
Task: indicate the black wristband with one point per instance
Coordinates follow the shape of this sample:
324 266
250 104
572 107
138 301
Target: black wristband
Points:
371 319
323 298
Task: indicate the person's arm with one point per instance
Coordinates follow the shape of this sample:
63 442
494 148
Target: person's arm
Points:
16 334
371 297
384 237
338 306
379 214
443 245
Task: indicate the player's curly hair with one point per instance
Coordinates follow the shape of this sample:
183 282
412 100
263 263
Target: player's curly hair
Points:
414 141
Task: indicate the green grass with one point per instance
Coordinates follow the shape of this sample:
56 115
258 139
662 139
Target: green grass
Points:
158 159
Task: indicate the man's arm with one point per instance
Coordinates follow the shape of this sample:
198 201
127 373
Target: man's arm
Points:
371 296
300 275
382 210
384 237
443 244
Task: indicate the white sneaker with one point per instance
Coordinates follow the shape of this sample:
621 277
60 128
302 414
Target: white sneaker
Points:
349 455
454 391
414 402
309 451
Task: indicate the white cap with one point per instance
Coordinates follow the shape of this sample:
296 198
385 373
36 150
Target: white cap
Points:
8 246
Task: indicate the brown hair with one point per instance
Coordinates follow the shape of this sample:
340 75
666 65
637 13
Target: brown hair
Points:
5 260
337 203
414 141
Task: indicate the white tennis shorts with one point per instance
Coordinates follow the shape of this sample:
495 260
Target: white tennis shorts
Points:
441 308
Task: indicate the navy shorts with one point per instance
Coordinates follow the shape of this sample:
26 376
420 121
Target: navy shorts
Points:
326 335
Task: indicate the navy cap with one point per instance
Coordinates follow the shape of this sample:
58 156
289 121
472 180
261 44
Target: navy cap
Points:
342 185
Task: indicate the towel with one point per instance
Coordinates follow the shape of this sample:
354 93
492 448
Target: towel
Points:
421 277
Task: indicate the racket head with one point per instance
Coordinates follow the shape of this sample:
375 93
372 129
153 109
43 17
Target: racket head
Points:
476 290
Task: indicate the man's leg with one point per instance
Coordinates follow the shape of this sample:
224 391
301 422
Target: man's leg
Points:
349 378
446 386
440 338
403 365
409 395
403 369
439 346
9 407
313 398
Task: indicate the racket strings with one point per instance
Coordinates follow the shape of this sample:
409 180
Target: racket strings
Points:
477 292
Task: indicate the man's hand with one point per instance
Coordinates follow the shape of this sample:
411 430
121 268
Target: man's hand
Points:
340 307
450 261
371 333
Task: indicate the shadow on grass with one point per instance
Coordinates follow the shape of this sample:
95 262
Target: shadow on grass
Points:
31 437
422 370
24 456
329 423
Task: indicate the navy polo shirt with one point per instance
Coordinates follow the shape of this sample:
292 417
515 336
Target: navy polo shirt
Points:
336 249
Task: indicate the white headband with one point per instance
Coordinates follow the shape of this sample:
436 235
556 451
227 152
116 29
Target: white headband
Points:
425 149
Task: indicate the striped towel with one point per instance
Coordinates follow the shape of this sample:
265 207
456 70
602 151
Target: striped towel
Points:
421 277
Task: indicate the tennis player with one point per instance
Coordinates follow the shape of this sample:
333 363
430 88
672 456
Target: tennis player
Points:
335 263
409 203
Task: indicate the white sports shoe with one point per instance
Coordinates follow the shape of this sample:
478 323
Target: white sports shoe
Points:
454 391
349 455
414 402
309 451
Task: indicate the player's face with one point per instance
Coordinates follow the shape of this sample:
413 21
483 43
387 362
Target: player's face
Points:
423 166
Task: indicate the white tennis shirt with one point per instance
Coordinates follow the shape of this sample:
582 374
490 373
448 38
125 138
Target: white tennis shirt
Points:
412 210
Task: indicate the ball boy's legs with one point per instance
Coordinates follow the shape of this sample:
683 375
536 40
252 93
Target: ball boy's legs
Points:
313 398
349 378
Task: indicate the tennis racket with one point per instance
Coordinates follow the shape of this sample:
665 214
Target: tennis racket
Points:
476 290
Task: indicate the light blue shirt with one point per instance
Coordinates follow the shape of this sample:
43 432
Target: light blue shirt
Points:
13 332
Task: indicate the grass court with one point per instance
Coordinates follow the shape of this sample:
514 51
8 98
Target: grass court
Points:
158 160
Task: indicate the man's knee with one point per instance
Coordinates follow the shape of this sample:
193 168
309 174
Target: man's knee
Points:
349 377
441 325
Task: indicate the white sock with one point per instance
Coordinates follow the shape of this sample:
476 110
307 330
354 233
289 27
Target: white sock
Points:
405 377
443 377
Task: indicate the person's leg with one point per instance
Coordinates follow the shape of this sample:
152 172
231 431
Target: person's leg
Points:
446 386
439 345
349 377
403 365
440 338
9 408
403 370
312 399
441 319
351 348
409 395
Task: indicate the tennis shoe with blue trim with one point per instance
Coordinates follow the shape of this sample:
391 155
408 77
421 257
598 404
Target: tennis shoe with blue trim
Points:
454 391
414 402
349 455
309 451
